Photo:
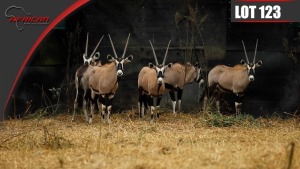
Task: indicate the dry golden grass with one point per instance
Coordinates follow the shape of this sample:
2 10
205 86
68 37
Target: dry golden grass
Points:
182 141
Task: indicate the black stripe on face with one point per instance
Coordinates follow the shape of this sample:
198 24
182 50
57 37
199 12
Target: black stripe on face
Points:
251 69
160 74
120 66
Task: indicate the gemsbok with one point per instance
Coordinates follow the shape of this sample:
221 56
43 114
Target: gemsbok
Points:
151 84
104 80
232 79
82 77
178 76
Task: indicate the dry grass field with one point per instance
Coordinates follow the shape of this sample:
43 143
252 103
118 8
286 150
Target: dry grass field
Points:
181 141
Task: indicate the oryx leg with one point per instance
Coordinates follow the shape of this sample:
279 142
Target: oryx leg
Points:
158 99
108 102
75 101
172 95
102 107
218 100
238 103
145 103
141 106
94 99
152 108
179 96
84 107
75 106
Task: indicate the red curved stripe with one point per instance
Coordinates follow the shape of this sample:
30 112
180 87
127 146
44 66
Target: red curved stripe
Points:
59 18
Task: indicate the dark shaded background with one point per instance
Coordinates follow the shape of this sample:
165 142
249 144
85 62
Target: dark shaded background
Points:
275 89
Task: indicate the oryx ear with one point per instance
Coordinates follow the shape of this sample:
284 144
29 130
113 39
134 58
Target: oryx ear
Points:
259 63
128 59
243 62
151 65
170 65
110 58
96 56
83 57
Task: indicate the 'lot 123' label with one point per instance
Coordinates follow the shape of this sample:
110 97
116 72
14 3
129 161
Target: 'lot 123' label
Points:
265 10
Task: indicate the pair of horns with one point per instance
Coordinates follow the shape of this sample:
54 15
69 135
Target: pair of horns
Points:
86 46
123 55
156 62
254 52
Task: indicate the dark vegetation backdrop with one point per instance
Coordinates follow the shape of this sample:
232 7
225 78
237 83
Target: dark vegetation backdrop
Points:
200 30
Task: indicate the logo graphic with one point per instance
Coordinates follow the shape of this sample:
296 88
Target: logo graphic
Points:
20 17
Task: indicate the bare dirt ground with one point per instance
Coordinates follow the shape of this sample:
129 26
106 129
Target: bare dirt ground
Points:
181 141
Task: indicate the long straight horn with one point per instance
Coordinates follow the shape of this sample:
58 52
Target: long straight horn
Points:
112 45
255 51
96 46
245 52
156 62
126 46
166 53
86 44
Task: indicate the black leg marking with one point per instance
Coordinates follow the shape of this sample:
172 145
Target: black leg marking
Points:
158 99
102 101
150 101
172 95
179 94
238 103
152 116
141 101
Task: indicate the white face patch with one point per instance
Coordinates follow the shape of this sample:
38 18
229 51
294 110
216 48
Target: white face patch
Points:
159 69
160 80
88 61
119 72
251 77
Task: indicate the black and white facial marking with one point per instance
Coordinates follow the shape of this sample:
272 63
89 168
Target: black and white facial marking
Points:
251 65
160 71
251 68
119 62
86 61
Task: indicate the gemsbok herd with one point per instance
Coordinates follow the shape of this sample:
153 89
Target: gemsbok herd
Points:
97 83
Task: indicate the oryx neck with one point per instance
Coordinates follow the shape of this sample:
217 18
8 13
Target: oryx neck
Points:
110 65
